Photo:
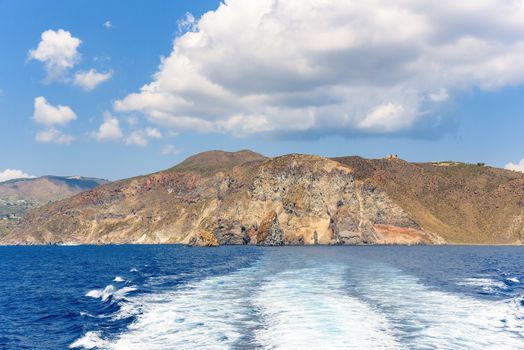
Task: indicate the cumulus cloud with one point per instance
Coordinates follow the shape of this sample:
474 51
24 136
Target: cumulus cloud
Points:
108 24
109 130
515 167
387 118
58 50
10 174
48 115
140 137
188 23
52 135
136 138
90 79
338 66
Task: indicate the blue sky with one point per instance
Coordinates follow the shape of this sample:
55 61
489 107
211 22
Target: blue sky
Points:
253 75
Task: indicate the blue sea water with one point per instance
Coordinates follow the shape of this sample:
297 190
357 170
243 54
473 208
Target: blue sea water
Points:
316 297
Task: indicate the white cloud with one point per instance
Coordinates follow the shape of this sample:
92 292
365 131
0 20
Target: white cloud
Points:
337 66
108 24
10 174
188 23
137 138
52 135
388 117
109 130
58 50
90 79
170 150
140 137
47 114
515 167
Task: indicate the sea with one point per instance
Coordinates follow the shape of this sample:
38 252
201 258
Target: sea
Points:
245 297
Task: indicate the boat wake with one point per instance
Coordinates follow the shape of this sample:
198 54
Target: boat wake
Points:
335 305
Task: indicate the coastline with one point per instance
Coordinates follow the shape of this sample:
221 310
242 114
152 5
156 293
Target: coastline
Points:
266 246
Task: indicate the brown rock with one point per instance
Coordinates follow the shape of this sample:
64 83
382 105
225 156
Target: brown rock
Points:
244 198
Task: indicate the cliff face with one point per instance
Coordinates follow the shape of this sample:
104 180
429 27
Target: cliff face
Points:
463 203
245 198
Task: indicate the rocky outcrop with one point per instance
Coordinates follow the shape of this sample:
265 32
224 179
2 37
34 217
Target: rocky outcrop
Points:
269 232
516 228
245 198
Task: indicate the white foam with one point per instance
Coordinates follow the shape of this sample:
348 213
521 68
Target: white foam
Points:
126 310
91 340
119 279
95 293
485 284
102 294
109 291
308 309
122 292
296 309
426 318
133 269
328 305
513 280
212 313
87 314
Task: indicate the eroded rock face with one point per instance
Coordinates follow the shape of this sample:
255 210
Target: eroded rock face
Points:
516 228
294 199
269 232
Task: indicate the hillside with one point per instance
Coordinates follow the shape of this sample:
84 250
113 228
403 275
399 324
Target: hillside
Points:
19 195
245 198
464 203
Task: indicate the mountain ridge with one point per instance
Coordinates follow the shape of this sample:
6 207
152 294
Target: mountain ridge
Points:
245 198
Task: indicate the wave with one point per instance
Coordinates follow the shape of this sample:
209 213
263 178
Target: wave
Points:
487 285
213 313
308 309
87 314
329 306
110 292
425 317
91 340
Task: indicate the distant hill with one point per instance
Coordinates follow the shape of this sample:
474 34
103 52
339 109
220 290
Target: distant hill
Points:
243 197
19 195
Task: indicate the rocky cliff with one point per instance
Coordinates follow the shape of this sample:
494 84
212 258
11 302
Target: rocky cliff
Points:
245 198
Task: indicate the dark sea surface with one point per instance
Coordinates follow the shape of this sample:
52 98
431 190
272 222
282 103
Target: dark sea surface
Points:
316 297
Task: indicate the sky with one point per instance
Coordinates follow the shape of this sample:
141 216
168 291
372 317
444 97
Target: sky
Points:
117 89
